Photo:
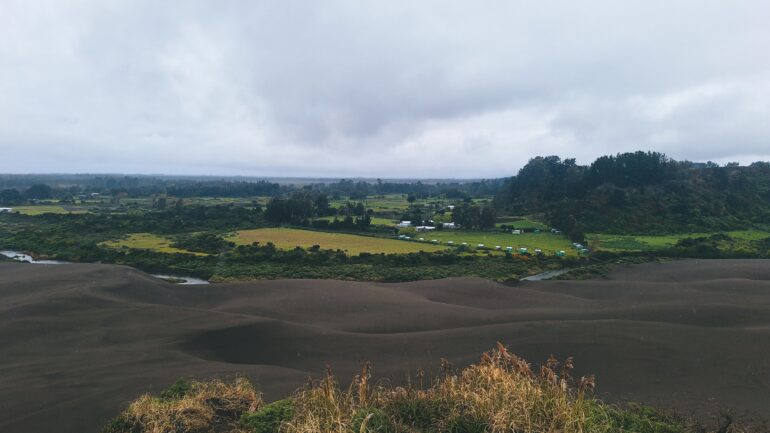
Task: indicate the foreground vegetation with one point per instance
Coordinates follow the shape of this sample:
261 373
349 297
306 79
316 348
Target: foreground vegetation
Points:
502 393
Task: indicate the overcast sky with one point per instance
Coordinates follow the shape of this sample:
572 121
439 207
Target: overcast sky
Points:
389 89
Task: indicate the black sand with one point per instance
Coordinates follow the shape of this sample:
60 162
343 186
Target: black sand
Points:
78 342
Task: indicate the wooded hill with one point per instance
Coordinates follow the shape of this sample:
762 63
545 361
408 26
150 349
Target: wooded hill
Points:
640 192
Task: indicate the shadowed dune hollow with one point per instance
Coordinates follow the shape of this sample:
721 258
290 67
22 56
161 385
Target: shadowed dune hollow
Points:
80 341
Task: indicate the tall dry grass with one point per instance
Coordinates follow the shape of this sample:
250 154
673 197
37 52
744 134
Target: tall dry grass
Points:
200 407
500 394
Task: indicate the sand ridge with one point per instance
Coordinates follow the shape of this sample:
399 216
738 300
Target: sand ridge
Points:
80 341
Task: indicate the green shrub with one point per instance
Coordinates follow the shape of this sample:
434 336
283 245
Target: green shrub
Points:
268 419
415 412
642 419
466 424
179 389
377 422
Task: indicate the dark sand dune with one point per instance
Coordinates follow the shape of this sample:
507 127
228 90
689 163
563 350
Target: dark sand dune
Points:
80 341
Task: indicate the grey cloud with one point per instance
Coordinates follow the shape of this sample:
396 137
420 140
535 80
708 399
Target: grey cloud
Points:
370 89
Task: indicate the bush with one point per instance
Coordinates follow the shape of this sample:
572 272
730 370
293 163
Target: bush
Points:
189 407
178 390
412 411
269 418
466 424
641 419
371 420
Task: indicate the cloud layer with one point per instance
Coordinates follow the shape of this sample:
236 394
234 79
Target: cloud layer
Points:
357 88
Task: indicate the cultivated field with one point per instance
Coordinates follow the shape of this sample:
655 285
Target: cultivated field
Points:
619 243
547 242
42 209
352 244
376 221
521 223
147 241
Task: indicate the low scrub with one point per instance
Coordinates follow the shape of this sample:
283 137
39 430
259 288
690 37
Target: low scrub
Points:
212 406
502 393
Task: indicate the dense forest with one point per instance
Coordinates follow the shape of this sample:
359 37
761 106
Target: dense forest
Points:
641 192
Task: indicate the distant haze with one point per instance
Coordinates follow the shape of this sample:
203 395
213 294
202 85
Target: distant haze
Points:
418 89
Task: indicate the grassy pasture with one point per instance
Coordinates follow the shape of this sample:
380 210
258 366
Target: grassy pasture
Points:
147 241
352 244
42 209
387 202
521 223
213 201
376 221
618 243
547 242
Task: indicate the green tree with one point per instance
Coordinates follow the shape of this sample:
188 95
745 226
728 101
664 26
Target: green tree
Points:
11 197
38 191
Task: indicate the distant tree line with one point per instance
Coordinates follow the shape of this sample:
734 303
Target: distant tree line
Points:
304 207
12 196
68 186
168 221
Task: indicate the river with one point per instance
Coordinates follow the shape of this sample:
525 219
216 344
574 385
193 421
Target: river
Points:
546 275
21 257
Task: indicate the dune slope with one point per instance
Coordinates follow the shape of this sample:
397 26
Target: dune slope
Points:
80 341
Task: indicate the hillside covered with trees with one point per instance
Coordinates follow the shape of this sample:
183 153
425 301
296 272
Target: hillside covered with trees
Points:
640 192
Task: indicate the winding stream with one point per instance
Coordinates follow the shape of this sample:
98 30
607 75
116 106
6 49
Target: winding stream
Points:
21 257
546 275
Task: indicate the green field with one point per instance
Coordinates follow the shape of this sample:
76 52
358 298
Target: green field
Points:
391 202
521 223
547 242
42 209
389 205
213 201
619 243
396 204
147 241
376 221
352 244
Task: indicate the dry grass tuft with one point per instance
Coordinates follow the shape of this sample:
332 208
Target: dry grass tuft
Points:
199 407
499 394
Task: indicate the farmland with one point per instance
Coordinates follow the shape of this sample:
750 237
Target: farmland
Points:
288 238
43 209
146 241
520 223
547 242
623 243
376 221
